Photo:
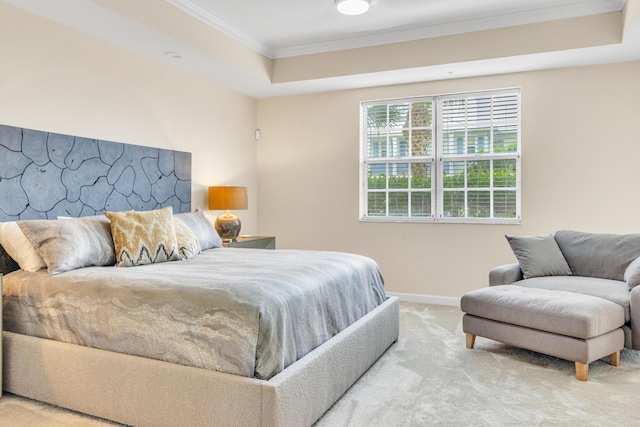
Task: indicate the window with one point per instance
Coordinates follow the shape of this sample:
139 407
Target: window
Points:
451 158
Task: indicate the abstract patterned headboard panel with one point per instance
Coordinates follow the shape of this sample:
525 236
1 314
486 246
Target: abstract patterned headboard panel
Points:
44 175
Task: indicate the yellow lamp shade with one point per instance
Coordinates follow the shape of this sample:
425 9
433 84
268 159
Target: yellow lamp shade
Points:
227 197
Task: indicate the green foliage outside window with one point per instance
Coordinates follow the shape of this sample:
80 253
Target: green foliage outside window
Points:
475 159
477 176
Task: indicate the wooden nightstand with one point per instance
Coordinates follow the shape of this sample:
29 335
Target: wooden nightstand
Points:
255 242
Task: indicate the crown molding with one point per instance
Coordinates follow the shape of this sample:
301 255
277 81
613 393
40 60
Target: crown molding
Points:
221 25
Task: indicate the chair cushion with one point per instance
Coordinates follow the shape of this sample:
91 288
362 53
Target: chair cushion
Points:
564 313
611 290
606 256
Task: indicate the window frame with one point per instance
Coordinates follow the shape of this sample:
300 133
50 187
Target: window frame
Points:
437 160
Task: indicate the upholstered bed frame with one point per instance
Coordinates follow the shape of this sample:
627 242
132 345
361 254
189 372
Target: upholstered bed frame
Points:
145 392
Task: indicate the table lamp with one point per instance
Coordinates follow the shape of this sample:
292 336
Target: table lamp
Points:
227 197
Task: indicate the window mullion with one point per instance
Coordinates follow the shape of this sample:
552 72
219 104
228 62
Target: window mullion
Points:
472 134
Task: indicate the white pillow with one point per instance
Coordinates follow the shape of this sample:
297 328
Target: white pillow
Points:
19 248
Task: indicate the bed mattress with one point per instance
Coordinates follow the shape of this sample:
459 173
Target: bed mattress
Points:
240 311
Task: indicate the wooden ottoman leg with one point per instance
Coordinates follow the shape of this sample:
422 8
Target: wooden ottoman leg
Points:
614 359
471 340
582 371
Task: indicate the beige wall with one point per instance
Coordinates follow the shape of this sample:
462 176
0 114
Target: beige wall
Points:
580 148
580 133
55 79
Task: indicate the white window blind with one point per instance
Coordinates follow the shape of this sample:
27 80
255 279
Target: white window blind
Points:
452 158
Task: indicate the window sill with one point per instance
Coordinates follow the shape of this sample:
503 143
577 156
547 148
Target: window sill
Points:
497 221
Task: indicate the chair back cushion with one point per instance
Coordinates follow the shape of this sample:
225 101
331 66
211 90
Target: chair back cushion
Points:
606 256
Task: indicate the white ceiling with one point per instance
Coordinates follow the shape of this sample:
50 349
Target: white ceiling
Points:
282 28
288 28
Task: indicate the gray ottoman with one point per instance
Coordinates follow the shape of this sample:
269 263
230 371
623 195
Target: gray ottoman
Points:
568 325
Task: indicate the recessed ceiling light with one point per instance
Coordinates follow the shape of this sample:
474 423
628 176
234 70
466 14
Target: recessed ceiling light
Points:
352 7
173 55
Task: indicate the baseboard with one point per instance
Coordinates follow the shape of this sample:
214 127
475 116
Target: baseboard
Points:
427 299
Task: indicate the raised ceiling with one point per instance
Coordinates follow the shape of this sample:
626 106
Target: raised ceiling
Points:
281 28
282 47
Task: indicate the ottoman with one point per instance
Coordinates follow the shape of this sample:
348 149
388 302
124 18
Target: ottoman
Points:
576 327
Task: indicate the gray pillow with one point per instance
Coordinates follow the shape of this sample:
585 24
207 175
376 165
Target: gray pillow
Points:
632 274
605 256
67 244
538 256
203 229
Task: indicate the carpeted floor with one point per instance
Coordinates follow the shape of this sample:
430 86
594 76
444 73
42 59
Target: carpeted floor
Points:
429 378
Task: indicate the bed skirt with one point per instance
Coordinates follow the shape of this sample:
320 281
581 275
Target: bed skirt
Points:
144 392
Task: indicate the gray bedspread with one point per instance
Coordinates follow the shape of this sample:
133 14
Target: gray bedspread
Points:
241 311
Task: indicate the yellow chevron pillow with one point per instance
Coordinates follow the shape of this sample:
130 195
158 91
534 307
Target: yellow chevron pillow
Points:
143 237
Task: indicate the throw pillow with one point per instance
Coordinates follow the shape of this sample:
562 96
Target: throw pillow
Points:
203 229
632 274
7 264
144 237
71 243
539 256
19 248
188 244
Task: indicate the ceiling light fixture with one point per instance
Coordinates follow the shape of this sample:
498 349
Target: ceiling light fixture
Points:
352 7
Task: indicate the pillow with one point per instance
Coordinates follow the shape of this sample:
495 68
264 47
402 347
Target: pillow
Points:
539 256
203 229
7 264
19 248
71 243
146 237
632 274
188 244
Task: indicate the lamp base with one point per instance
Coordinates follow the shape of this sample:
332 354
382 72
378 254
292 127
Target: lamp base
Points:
228 225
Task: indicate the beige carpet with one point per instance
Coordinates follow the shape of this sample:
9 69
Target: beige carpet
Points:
429 378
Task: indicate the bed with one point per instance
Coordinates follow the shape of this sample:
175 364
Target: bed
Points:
138 390
158 386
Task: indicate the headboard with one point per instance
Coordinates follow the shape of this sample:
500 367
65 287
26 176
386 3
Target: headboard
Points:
44 175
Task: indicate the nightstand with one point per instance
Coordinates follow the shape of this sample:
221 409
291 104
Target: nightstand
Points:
1 335
255 242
